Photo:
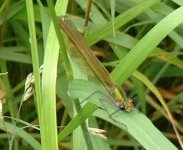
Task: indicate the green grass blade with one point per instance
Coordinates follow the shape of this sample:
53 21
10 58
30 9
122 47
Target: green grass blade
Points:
20 133
14 56
87 110
35 56
146 46
119 21
135 123
48 105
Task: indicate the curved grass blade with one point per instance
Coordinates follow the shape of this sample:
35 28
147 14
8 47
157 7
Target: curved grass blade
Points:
142 50
137 124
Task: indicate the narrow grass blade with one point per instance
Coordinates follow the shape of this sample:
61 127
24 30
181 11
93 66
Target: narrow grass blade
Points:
146 46
78 120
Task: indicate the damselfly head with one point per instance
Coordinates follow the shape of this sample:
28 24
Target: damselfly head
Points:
125 105
128 105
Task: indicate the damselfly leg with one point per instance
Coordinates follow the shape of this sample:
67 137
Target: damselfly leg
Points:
106 103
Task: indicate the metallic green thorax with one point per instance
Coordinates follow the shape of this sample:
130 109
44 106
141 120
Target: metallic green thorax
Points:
116 94
121 102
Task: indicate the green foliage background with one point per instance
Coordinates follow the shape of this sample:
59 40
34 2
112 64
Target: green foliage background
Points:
144 41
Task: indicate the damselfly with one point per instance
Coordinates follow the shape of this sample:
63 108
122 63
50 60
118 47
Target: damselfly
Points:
77 39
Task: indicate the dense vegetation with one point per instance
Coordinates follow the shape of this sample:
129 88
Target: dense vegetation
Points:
42 84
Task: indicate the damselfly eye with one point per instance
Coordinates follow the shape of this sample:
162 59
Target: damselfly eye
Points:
122 107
